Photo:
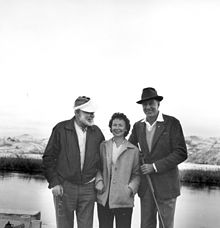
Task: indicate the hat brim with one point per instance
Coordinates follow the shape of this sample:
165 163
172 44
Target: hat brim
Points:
159 98
87 107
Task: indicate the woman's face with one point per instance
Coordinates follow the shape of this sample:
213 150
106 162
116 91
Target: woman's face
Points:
118 128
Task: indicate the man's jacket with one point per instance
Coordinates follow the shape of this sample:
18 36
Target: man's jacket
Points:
167 151
61 159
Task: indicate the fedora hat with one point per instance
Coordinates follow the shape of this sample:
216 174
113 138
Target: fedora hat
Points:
149 93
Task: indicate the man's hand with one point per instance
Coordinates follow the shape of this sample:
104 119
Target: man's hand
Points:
147 168
57 190
100 187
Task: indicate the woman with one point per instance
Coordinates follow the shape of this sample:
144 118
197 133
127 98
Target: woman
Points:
118 181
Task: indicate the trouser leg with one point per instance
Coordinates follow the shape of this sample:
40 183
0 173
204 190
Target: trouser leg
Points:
167 208
123 217
85 208
63 220
105 216
148 211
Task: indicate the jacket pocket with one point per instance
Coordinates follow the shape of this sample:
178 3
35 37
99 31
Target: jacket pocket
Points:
119 196
127 197
128 192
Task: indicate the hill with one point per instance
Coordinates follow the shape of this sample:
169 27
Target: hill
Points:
200 150
23 145
203 150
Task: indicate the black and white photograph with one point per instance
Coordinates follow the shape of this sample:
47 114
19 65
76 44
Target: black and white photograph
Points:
109 114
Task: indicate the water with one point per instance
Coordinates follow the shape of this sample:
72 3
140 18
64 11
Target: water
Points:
197 207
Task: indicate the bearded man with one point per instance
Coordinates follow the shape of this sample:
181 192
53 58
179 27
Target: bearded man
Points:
71 160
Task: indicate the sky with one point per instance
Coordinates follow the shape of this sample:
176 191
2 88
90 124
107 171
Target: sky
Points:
52 51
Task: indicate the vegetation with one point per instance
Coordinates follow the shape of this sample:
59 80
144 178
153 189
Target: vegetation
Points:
21 164
201 176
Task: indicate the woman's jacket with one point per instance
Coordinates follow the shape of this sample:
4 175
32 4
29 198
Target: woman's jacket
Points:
119 178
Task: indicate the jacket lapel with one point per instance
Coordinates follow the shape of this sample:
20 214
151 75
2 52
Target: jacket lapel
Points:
108 147
160 126
72 141
88 141
124 147
143 140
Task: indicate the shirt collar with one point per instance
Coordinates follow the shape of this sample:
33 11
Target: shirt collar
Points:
80 128
159 119
114 143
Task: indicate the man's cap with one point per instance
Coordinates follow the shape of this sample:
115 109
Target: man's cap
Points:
85 104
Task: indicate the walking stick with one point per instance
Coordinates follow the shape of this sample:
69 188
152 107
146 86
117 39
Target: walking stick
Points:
152 190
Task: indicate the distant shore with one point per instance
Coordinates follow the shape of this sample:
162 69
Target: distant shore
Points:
189 172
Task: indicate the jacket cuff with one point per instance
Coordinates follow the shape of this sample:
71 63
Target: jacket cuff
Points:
155 168
53 183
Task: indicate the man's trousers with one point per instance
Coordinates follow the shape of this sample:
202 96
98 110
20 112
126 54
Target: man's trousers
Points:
78 198
149 211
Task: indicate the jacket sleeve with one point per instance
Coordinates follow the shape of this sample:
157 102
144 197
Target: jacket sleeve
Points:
99 176
133 137
135 176
50 157
178 149
99 163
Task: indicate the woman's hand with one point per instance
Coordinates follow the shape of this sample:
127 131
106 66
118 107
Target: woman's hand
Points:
130 191
100 187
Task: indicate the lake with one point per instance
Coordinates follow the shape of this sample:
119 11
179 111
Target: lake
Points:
197 207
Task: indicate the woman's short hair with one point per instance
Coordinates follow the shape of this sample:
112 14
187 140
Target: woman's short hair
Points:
120 116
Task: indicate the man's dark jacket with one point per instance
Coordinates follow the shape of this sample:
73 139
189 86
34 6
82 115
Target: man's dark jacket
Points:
168 150
61 159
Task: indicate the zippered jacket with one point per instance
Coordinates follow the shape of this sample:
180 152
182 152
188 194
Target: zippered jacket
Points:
61 159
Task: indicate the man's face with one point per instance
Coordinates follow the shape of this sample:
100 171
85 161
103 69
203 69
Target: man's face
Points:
150 108
85 118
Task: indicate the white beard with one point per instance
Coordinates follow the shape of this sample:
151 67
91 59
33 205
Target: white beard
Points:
86 122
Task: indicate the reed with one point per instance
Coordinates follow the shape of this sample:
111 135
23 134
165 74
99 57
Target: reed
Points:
21 164
202 176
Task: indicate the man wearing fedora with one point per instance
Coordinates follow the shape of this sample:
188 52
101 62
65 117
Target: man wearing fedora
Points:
161 141
71 160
